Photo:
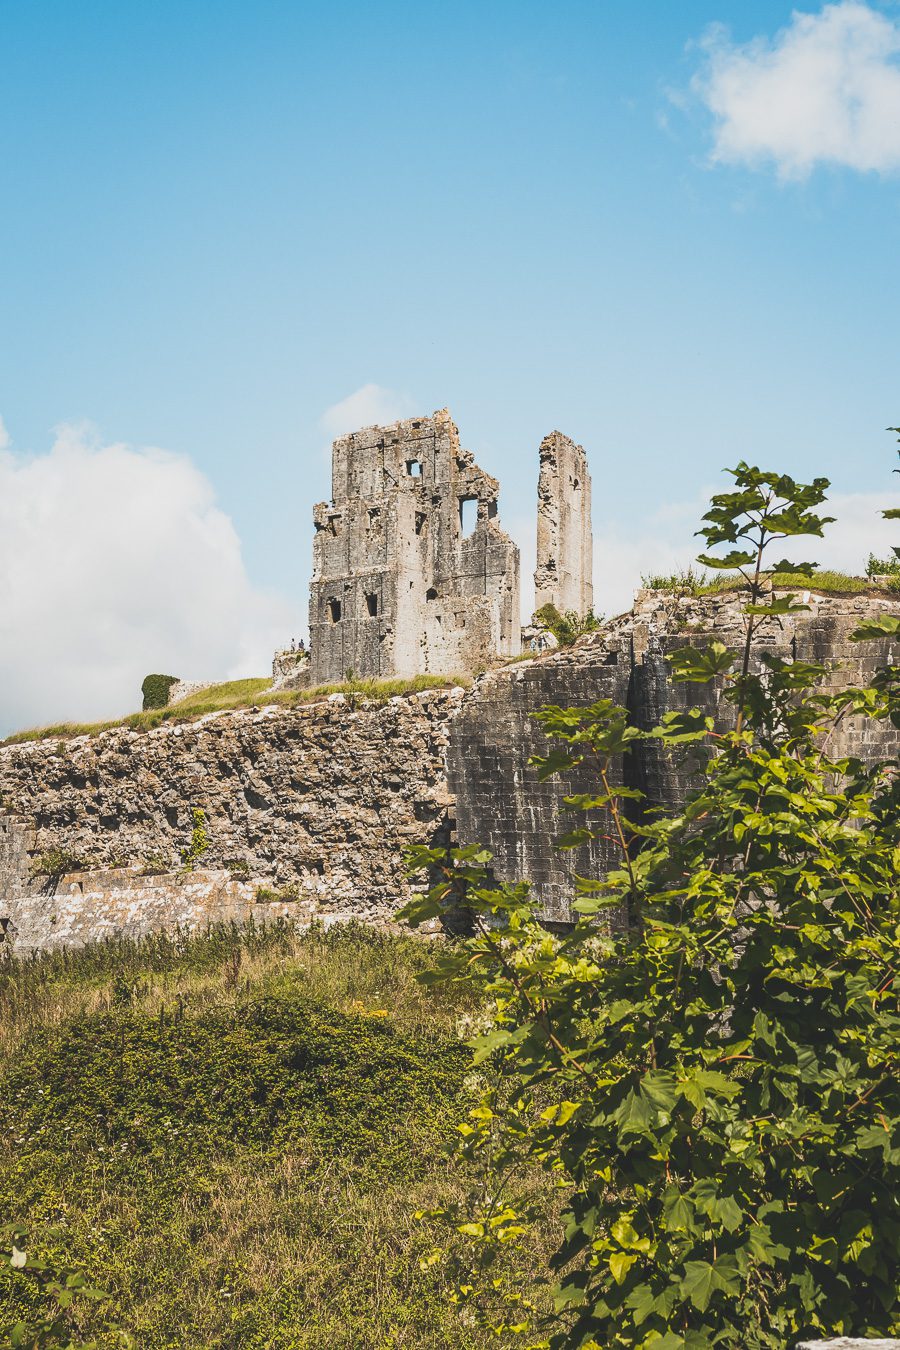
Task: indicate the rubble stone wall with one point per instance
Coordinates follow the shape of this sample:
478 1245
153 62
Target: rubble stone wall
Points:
324 798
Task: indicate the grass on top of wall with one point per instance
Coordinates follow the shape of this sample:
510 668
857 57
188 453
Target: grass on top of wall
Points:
231 1135
826 582
254 693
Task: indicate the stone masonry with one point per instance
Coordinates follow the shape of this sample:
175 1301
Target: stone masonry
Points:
400 584
317 803
321 799
565 544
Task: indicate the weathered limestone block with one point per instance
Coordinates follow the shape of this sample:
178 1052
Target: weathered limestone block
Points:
291 669
850 1343
91 906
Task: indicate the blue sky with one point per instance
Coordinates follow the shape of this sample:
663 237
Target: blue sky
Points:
656 227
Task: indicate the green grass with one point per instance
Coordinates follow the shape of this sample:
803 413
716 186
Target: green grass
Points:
699 583
231 1135
256 693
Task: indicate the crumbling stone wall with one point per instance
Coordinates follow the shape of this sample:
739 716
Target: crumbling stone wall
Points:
500 799
565 544
502 802
398 586
325 797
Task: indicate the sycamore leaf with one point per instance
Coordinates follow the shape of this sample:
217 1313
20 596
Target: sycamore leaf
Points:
888 625
732 560
701 1280
620 1263
698 664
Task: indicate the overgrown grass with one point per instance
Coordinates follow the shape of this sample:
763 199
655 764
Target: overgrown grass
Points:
241 694
232 1133
698 583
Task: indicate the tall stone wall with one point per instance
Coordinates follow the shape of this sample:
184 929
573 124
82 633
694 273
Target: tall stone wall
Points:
500 799
565 544
325 798
398 585
322 798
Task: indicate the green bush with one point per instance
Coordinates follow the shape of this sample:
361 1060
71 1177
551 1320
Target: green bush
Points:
155 691
569 627
708 1065
191 855
56 862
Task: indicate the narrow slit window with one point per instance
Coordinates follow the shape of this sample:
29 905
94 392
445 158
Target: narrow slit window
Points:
372 605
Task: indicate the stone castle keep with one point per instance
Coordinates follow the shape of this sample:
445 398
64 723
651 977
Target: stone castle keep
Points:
411 570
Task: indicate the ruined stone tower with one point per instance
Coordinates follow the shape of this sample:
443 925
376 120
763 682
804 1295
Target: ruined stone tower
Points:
401 583
565 544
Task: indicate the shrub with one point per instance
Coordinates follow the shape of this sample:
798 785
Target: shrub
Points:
569 627
56 862
155 690
713 1074
191 855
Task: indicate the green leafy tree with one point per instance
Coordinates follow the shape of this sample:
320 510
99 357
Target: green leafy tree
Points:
708 1064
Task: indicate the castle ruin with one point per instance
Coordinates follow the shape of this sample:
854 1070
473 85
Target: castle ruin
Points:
565 545
411 570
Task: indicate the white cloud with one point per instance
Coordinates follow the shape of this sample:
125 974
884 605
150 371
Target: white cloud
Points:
116 562
369 406
664 543
824 90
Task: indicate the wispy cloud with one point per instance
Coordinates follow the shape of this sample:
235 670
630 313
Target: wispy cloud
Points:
369 406
115 562
823 90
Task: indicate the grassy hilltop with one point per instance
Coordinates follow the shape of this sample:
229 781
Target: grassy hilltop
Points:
231 1133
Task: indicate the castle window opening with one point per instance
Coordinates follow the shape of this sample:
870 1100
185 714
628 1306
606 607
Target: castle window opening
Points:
334 611
421 521
431 594
414 468
468 515
372 604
